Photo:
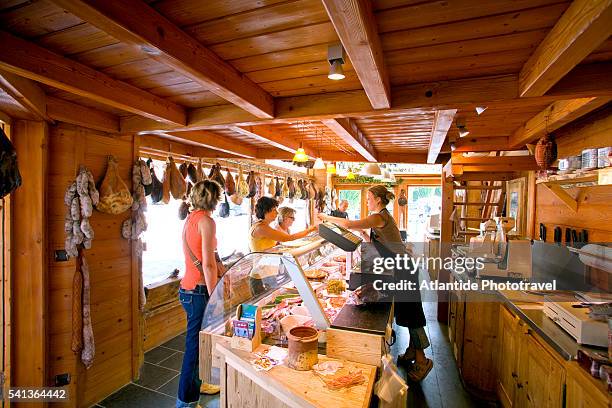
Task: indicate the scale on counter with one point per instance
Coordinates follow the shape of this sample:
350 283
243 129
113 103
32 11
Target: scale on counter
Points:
339 236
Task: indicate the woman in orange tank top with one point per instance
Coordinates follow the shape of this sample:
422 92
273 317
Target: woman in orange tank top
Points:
199 244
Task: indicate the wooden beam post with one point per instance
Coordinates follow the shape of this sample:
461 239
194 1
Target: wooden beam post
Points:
213 141
27 93
355 24
37 63
442 122
269 135
135 22
580 30
446 237
76 114
348 130
29 258
556 115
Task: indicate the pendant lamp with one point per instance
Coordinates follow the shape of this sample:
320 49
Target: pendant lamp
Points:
300 155
319 164
371 170
350 175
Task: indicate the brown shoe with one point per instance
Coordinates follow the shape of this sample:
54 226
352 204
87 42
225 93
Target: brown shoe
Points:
209 389
419 371
407 358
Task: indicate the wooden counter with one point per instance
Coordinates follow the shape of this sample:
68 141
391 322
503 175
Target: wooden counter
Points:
242 386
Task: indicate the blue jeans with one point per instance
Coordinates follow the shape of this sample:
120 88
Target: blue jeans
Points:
194 302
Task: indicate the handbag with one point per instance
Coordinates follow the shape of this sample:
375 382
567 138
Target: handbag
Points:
224 209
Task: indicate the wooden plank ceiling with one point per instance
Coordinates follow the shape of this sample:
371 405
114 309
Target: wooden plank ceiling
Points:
279 48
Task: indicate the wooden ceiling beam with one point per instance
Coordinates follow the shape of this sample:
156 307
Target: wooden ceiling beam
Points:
211 140
556 115
451 94
26 93
327 155
164 147
481 144
31 61
442 122
584 26
274 138
355 24
348 131
76 114
526 160
135 22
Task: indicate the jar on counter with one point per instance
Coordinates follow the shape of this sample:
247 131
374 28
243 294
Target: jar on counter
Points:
603 157
610 338
589 159
563 165
574 163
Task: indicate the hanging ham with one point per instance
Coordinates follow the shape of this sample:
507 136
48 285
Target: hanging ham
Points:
115 198
230 185
252 185
177 182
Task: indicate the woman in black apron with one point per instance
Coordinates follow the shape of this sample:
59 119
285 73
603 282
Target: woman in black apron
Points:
386 242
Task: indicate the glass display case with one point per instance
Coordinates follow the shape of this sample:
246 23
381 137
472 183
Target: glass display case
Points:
277 282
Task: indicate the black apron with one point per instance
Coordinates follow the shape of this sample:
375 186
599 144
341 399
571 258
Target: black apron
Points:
408 308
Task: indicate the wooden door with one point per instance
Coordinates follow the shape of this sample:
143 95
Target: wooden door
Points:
583 391
507 375
544 377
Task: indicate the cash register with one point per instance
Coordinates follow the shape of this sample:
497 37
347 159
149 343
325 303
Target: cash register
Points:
339 236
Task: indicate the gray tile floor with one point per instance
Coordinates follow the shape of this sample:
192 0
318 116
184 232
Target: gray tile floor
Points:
158 382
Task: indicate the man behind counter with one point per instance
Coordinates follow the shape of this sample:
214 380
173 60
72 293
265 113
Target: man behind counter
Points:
340 212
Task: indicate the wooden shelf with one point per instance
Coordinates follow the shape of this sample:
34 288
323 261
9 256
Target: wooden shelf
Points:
590 178
558 184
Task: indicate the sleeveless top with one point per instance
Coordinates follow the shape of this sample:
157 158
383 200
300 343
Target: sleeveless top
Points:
389 233
257 244
194 240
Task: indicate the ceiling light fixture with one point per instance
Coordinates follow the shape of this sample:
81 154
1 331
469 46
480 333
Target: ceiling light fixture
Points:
371 169
335 57
319 164
480 109
460 123
331 168
300 155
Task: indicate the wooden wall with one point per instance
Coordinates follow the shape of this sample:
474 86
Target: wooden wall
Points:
29 270
594 203
111 269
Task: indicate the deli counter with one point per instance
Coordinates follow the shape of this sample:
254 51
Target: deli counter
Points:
300 283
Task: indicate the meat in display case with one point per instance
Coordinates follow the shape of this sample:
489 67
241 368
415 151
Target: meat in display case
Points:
292 286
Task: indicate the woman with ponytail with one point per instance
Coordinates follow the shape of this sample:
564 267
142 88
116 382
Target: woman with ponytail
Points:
385 237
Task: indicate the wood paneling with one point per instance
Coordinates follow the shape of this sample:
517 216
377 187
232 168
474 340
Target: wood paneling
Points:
29 251
135 22
355 24
36 63
110 269
579 31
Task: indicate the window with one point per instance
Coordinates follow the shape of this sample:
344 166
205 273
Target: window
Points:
354 199
164 241
301 213
423 201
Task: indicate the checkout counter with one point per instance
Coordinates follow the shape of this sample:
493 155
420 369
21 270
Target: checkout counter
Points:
290 281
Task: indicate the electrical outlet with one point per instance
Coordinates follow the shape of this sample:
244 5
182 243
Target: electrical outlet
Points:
62 379
61 255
